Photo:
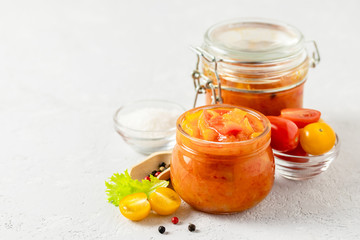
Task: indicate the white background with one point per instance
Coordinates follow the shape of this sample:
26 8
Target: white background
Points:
66 66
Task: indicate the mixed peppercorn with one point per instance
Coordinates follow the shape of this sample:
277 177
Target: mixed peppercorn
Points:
161 229
175 220
162 167
192 227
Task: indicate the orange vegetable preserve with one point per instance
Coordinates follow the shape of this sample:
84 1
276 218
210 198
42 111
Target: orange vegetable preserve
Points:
254 63
222 162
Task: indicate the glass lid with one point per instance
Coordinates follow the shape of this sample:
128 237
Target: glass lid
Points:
253 40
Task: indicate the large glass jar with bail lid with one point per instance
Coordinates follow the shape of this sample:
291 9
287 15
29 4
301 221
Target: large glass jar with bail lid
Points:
260 64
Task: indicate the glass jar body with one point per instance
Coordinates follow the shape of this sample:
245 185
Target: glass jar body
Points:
268 103
261 88
258 63
222 178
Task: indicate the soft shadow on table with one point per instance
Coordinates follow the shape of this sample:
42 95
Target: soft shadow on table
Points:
183 213
319 199
291 202
316 199
287 202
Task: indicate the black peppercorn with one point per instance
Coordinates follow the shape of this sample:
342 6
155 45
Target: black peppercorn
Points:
161 229
192 227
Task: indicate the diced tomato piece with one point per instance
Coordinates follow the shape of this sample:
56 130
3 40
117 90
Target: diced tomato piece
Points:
207 132
256 123
190 123
255 134
235 115
248 129
210 114
230 128
214 119
221 111
222 124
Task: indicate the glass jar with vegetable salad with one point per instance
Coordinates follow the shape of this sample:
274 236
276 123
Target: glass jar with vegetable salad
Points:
260 64
222 162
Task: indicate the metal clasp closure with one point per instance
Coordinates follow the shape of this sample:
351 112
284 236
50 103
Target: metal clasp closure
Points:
315 60
201 82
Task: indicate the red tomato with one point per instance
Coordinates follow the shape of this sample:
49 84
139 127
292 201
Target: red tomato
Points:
298 151
301 116
284 134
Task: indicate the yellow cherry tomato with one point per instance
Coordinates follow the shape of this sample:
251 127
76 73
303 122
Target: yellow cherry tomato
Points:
317 138
164 201
135 206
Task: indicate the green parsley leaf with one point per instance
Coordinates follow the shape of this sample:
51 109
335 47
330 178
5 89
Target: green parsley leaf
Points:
121 185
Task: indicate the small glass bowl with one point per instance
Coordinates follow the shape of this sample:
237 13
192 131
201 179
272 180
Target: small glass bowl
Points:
148 141
304 167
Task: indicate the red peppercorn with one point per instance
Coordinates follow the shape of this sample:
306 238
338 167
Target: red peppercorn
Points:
147 178
174 220
157 174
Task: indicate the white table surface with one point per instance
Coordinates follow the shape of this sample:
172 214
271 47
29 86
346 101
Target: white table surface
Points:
66 66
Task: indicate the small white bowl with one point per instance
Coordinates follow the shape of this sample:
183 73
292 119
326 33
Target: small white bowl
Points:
305 167
144 132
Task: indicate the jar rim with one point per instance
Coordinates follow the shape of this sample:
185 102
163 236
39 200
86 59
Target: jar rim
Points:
253 40
261 116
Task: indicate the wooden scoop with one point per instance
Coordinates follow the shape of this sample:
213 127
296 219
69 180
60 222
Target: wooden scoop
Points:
151 163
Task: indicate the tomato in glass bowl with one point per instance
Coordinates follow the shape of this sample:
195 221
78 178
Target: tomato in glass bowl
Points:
318 145
296 167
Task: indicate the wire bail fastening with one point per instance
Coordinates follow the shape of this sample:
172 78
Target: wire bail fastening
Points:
315 60
201 82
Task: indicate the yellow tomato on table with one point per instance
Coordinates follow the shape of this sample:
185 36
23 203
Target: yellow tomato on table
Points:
135 206
317 138
164 201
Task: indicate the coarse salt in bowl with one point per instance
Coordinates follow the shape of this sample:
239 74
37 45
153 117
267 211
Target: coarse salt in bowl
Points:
148 125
